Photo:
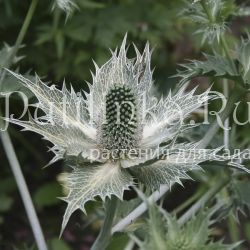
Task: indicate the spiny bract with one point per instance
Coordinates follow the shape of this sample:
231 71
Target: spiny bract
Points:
165 232
116 126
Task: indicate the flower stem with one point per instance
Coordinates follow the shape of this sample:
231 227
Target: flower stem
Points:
236 95
20 37
204 199
226 122
104 236
226 50
138 211
189 201
232 226
9 149
233 229
24 192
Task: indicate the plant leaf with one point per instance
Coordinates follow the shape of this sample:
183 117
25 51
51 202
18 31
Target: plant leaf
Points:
46 195
213 65
11 85
5 53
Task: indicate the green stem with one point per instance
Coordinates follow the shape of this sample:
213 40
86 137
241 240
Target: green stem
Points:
23 189
9 149
219 185
233 229
232 225
104 236
141 209
236 95
227 121
20 37
189 201
226 50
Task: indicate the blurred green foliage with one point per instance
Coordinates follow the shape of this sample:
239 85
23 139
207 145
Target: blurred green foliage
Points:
59 46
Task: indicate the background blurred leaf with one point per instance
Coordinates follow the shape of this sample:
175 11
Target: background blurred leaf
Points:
89 4
119 241
241 194
5 202
11 84
47 195
58 244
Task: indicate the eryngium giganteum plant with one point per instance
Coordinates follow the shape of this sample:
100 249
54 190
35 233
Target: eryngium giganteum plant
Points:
117 133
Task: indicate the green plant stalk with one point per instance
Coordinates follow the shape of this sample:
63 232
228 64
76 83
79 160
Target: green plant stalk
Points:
233 229
232 226
226 122
236 94
24 192
225 48
189 201
9 149
20 37
218 186
104 236
141 209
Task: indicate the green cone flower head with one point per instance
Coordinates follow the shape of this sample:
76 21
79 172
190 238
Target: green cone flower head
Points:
117 133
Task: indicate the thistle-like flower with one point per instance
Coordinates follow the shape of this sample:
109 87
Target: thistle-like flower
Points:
117 133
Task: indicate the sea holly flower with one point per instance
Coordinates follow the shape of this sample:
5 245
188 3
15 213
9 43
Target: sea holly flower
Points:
117 133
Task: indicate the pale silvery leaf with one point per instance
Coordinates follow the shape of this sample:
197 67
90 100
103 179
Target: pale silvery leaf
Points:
87 182
119 119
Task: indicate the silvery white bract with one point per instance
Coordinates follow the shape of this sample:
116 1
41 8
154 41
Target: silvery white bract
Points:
118 132
66 5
